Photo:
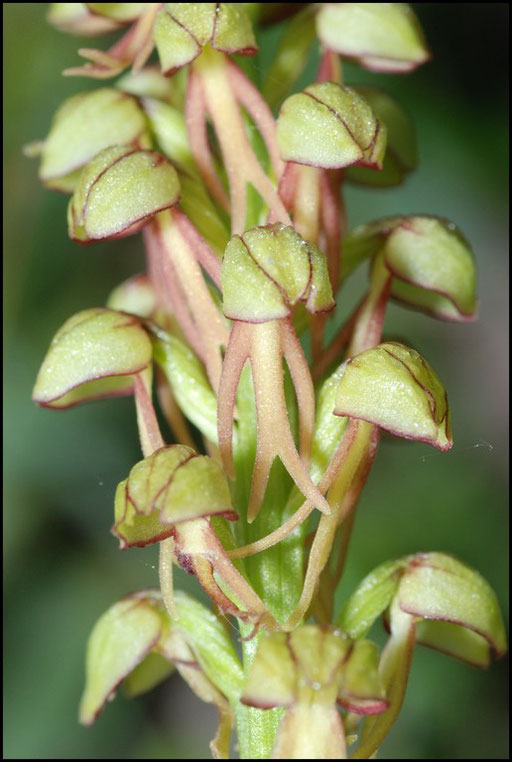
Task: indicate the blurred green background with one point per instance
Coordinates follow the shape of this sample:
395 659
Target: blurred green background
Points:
62 568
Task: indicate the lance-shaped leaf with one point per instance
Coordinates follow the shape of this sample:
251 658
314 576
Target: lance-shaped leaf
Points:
182 30
120 640
118 191
171 486
401 151
93 355
394 387
267 270
83 126
379 36
76 18
431 262
330 126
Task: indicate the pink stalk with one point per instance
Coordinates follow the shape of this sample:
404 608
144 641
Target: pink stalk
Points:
236 355
176 251
302 513
164 279
195 117
334 351
303 384
251 99
149 430
370 320
239 159
274 434
206 257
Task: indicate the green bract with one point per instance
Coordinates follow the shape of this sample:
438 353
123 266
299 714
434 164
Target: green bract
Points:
329 428
456 610
84 125
173 485
395 388
379 36
118 190
269 269
401 152
189 384
93 355
182 29
330 126
431 262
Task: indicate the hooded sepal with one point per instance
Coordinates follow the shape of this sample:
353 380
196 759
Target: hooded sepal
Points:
182 30
118 191
83 126
308 671
382 37
171 486
401 156
330 126
95 354
393 387
429 258
267 270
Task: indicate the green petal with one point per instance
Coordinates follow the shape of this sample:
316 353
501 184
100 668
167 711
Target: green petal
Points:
431 254
361 689
148 674
93 344
401 152
135 295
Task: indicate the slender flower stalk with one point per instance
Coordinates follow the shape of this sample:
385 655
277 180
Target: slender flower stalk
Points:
238 193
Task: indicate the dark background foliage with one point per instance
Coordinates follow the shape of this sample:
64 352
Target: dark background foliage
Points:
62 567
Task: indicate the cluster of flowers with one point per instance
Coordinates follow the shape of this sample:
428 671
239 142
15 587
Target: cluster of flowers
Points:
246 244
